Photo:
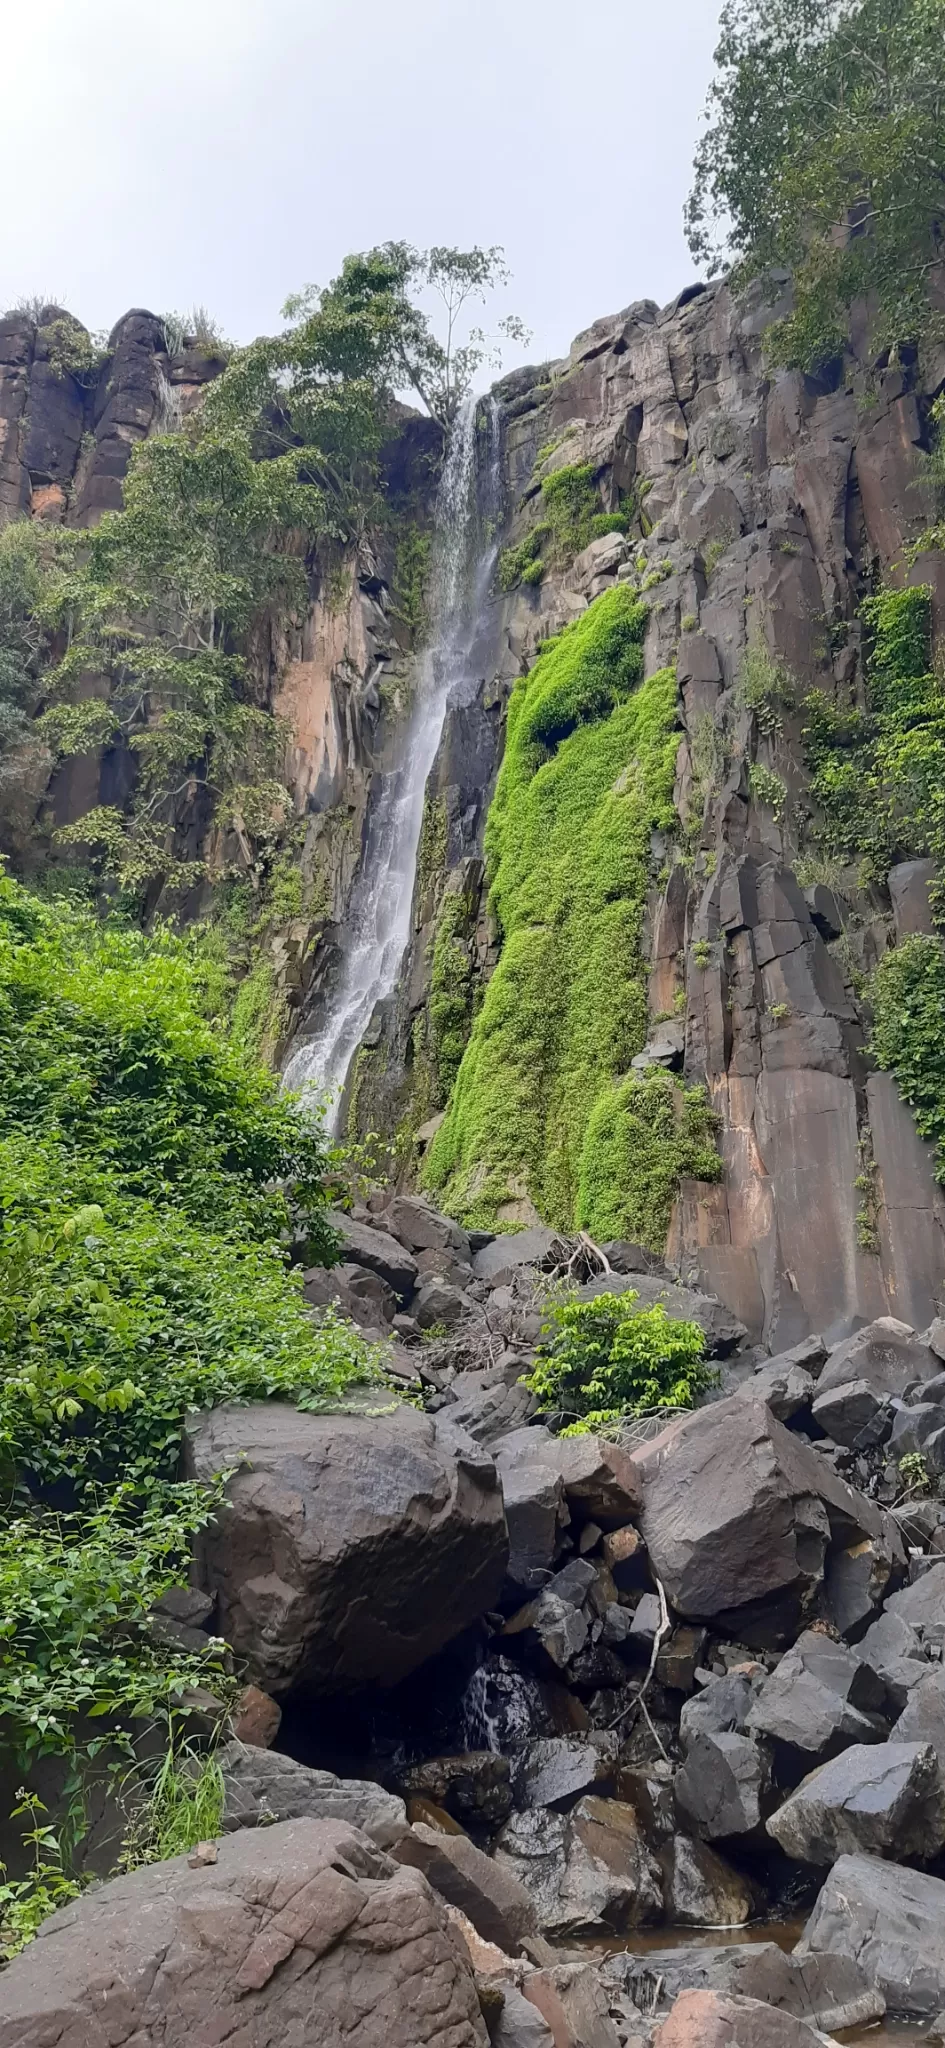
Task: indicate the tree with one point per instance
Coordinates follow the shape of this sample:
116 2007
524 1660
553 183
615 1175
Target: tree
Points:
218 519
825 155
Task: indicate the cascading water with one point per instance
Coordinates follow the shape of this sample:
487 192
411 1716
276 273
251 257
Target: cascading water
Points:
378 927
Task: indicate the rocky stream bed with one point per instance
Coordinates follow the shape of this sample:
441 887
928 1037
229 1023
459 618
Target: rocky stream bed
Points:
552 1742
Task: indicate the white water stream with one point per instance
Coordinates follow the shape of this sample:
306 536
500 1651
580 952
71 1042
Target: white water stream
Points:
378 925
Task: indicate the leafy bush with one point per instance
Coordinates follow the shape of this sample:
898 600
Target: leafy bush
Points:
644 1135
152 1183
571 517
606 1360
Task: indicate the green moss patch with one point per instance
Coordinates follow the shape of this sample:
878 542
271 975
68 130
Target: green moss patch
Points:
586 780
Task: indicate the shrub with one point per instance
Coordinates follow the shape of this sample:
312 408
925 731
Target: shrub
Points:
907 994
606 1360
644 1135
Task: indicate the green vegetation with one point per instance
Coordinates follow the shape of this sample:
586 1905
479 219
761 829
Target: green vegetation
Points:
152 1185
608 1360
822 113
879 775
766 688
586 779
907 995
767 788
644 1135
452 988
571 517
410 578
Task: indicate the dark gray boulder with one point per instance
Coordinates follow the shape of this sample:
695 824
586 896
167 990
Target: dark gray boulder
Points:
700 1890
739 1514
720 1708
555 1769
261 1786
819 1698
890 1921
849 1414
722 1330
892 1649
922 1605
505 1256
788 1389
886 1355
923 1715
722 1788
601 1482
884 1801
379 1253
588 1871
422 1229
350 1548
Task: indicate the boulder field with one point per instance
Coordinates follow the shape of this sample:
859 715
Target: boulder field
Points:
540 1693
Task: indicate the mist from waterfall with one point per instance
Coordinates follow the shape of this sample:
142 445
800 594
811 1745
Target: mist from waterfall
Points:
377 928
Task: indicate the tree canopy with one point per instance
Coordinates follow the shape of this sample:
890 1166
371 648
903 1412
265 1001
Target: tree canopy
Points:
825 155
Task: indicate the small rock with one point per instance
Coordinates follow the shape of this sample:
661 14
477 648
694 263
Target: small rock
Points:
436 1303
496 1902
555 1769
202 1855
256 1718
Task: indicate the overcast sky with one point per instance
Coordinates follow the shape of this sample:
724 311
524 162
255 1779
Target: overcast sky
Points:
227 152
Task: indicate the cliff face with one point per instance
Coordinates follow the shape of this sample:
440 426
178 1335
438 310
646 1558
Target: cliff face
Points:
758 512
769 509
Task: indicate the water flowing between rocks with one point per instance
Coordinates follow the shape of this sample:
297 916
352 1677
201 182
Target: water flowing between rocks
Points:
378 923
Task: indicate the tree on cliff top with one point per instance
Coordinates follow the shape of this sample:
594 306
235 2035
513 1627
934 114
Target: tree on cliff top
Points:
825 155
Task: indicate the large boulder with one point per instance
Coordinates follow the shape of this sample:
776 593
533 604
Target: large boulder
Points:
819 1698
923 1714
891 1922
375 1250
885 1801
721 1329
600 1481
588 1872
496 1902
700 1890
301 1932
715 2019
350 1548
922 1605
886 1355
423 1229
739 1515
261 1786
723 1784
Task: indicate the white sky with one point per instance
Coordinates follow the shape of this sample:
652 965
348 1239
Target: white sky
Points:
227 152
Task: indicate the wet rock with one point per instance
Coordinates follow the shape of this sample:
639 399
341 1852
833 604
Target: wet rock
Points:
891 1922
262 1786
892 1649
351 1547
738 1516
587 1871
571 2002
711 2019
722 1787
554 1770
421 1228
679 1657
476 1785
648 1788
498 1261
922 1605
601 1483
700 1890
819 1698
316 1936
827 1991
496 1902
362 1246
923 1715
886 1355
877 1801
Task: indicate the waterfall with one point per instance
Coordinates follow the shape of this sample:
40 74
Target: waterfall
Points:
378 925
